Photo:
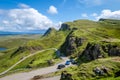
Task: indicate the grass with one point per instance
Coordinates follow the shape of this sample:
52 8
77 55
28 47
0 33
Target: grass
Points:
16 40
37 61
85 70
110 78
97 32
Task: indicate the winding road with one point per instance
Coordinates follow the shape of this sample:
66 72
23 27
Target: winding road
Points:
31 74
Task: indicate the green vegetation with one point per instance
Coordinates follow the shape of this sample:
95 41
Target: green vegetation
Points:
14 54
16 40
39 60
72 40
103 36
85 70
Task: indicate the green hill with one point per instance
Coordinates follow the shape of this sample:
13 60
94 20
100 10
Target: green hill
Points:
83 40
88 41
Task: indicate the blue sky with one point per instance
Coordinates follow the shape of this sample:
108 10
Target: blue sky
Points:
25 15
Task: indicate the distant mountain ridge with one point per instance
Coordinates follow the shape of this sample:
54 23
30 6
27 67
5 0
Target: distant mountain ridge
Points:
3 33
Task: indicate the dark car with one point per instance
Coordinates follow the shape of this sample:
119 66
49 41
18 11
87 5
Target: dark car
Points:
67 63
73 61
60 66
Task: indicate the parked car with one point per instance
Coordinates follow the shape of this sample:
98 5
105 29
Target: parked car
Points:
73 61
60 66
67 63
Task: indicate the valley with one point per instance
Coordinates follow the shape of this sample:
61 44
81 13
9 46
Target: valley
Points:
94 45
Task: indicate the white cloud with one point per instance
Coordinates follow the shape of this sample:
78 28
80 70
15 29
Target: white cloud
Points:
84 15
21 5
58 25
23 19
108 14
52 10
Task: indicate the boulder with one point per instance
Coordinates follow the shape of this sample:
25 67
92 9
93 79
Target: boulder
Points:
50 62
117 74
100 71
113 50
66 76
37 77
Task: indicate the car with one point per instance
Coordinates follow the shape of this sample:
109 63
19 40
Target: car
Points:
67 63
60 66
73 61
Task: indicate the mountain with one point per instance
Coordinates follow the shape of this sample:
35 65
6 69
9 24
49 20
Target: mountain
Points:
50 31
93 45
3 33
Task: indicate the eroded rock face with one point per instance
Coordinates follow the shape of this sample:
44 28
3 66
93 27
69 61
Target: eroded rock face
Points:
50 30
113 50
65 27
92 51
95 51
79 41
71 44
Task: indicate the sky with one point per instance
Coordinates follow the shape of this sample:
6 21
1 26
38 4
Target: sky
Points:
31 15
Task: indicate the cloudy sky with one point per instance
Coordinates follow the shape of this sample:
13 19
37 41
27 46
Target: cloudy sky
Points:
28 15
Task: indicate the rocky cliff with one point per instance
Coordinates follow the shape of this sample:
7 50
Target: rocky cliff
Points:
71 44
50 31
95 50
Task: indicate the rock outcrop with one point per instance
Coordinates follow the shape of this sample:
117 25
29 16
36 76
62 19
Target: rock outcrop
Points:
71 44
91 52
49 31
113 50
101 71
65 27
95 51
66 76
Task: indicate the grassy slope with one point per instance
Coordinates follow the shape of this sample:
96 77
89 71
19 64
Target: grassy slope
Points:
50 41
54 40
85 70
90 30
95 32
16 40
